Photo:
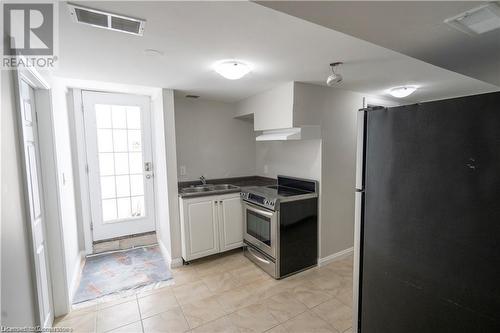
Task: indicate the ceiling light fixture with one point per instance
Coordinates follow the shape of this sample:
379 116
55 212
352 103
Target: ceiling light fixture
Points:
477 20
404 91
335 77
232 69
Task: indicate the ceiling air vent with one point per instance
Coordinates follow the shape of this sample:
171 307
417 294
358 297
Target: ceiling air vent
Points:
100 19
477 20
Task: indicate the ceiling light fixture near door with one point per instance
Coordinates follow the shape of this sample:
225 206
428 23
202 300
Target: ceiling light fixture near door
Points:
403 91
232 69
335 77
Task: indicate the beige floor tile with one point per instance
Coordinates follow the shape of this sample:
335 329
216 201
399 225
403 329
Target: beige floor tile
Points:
335 313
151 291
310 295
106 302
237 298
278 329
79 322
156 303
130 328
191 292
117 316
220 282
249 274
349 330
307 322
183 276
332 285
284 306
169 321
253 318
203 311
345 296
221 325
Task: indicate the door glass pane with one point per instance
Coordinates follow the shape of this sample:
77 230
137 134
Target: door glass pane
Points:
138 206
119 141
108 187
119 116
104 140
136 185
108 210
123 208
134 140
106 164
134 117
135 163
103 116
122 186
121 164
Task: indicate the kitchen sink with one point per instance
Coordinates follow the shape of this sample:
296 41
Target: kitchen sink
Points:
208 189
225 187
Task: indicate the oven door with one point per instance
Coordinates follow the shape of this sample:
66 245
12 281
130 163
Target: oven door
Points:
261 227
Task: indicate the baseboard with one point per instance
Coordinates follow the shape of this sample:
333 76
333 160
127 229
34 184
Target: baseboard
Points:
77 272
336 256
172 263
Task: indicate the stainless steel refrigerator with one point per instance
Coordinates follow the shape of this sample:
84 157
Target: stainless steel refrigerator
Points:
427 231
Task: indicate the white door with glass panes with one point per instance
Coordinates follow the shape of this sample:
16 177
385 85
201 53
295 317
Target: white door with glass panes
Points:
120 169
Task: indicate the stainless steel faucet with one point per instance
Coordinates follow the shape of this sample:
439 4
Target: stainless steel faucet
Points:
203 180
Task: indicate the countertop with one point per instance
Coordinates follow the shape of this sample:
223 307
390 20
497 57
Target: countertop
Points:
236 181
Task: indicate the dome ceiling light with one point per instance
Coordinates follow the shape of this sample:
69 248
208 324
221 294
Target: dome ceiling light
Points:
403 91
232 69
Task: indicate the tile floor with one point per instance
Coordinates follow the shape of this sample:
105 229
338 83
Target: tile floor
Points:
229 294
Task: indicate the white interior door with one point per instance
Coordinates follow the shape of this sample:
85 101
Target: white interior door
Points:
120 171
28 122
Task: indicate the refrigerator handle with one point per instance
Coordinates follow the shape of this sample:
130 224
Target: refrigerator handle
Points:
356 277
360 149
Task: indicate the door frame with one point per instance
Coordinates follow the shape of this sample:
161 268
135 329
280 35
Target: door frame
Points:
82 188
54 264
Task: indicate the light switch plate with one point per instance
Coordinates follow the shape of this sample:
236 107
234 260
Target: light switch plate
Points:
183 170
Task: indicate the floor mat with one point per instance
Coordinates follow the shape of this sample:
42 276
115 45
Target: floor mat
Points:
110 273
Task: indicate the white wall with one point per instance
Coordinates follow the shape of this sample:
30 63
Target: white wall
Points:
66 185
174 225
333 158
210 141
17 294
291 158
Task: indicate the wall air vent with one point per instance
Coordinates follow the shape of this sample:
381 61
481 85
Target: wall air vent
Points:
477 20
105 20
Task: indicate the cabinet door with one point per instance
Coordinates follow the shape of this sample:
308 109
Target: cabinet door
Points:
231 223
201 234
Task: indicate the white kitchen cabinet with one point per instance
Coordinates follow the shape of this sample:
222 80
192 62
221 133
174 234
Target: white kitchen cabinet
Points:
210 225
230 223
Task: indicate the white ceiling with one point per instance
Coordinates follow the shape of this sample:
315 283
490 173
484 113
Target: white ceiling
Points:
281 48
414 28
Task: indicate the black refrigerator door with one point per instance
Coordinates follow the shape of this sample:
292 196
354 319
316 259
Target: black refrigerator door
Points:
431 227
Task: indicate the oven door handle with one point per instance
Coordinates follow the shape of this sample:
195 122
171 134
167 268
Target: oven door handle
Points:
256 256
259 211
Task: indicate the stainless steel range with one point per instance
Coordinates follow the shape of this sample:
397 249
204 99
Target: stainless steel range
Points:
281 225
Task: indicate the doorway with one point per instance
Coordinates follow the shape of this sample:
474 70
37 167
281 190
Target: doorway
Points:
119 164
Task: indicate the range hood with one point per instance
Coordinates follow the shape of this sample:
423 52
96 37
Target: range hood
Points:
294 133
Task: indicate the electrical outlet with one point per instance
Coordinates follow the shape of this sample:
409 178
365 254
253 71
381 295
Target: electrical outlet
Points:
183 170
